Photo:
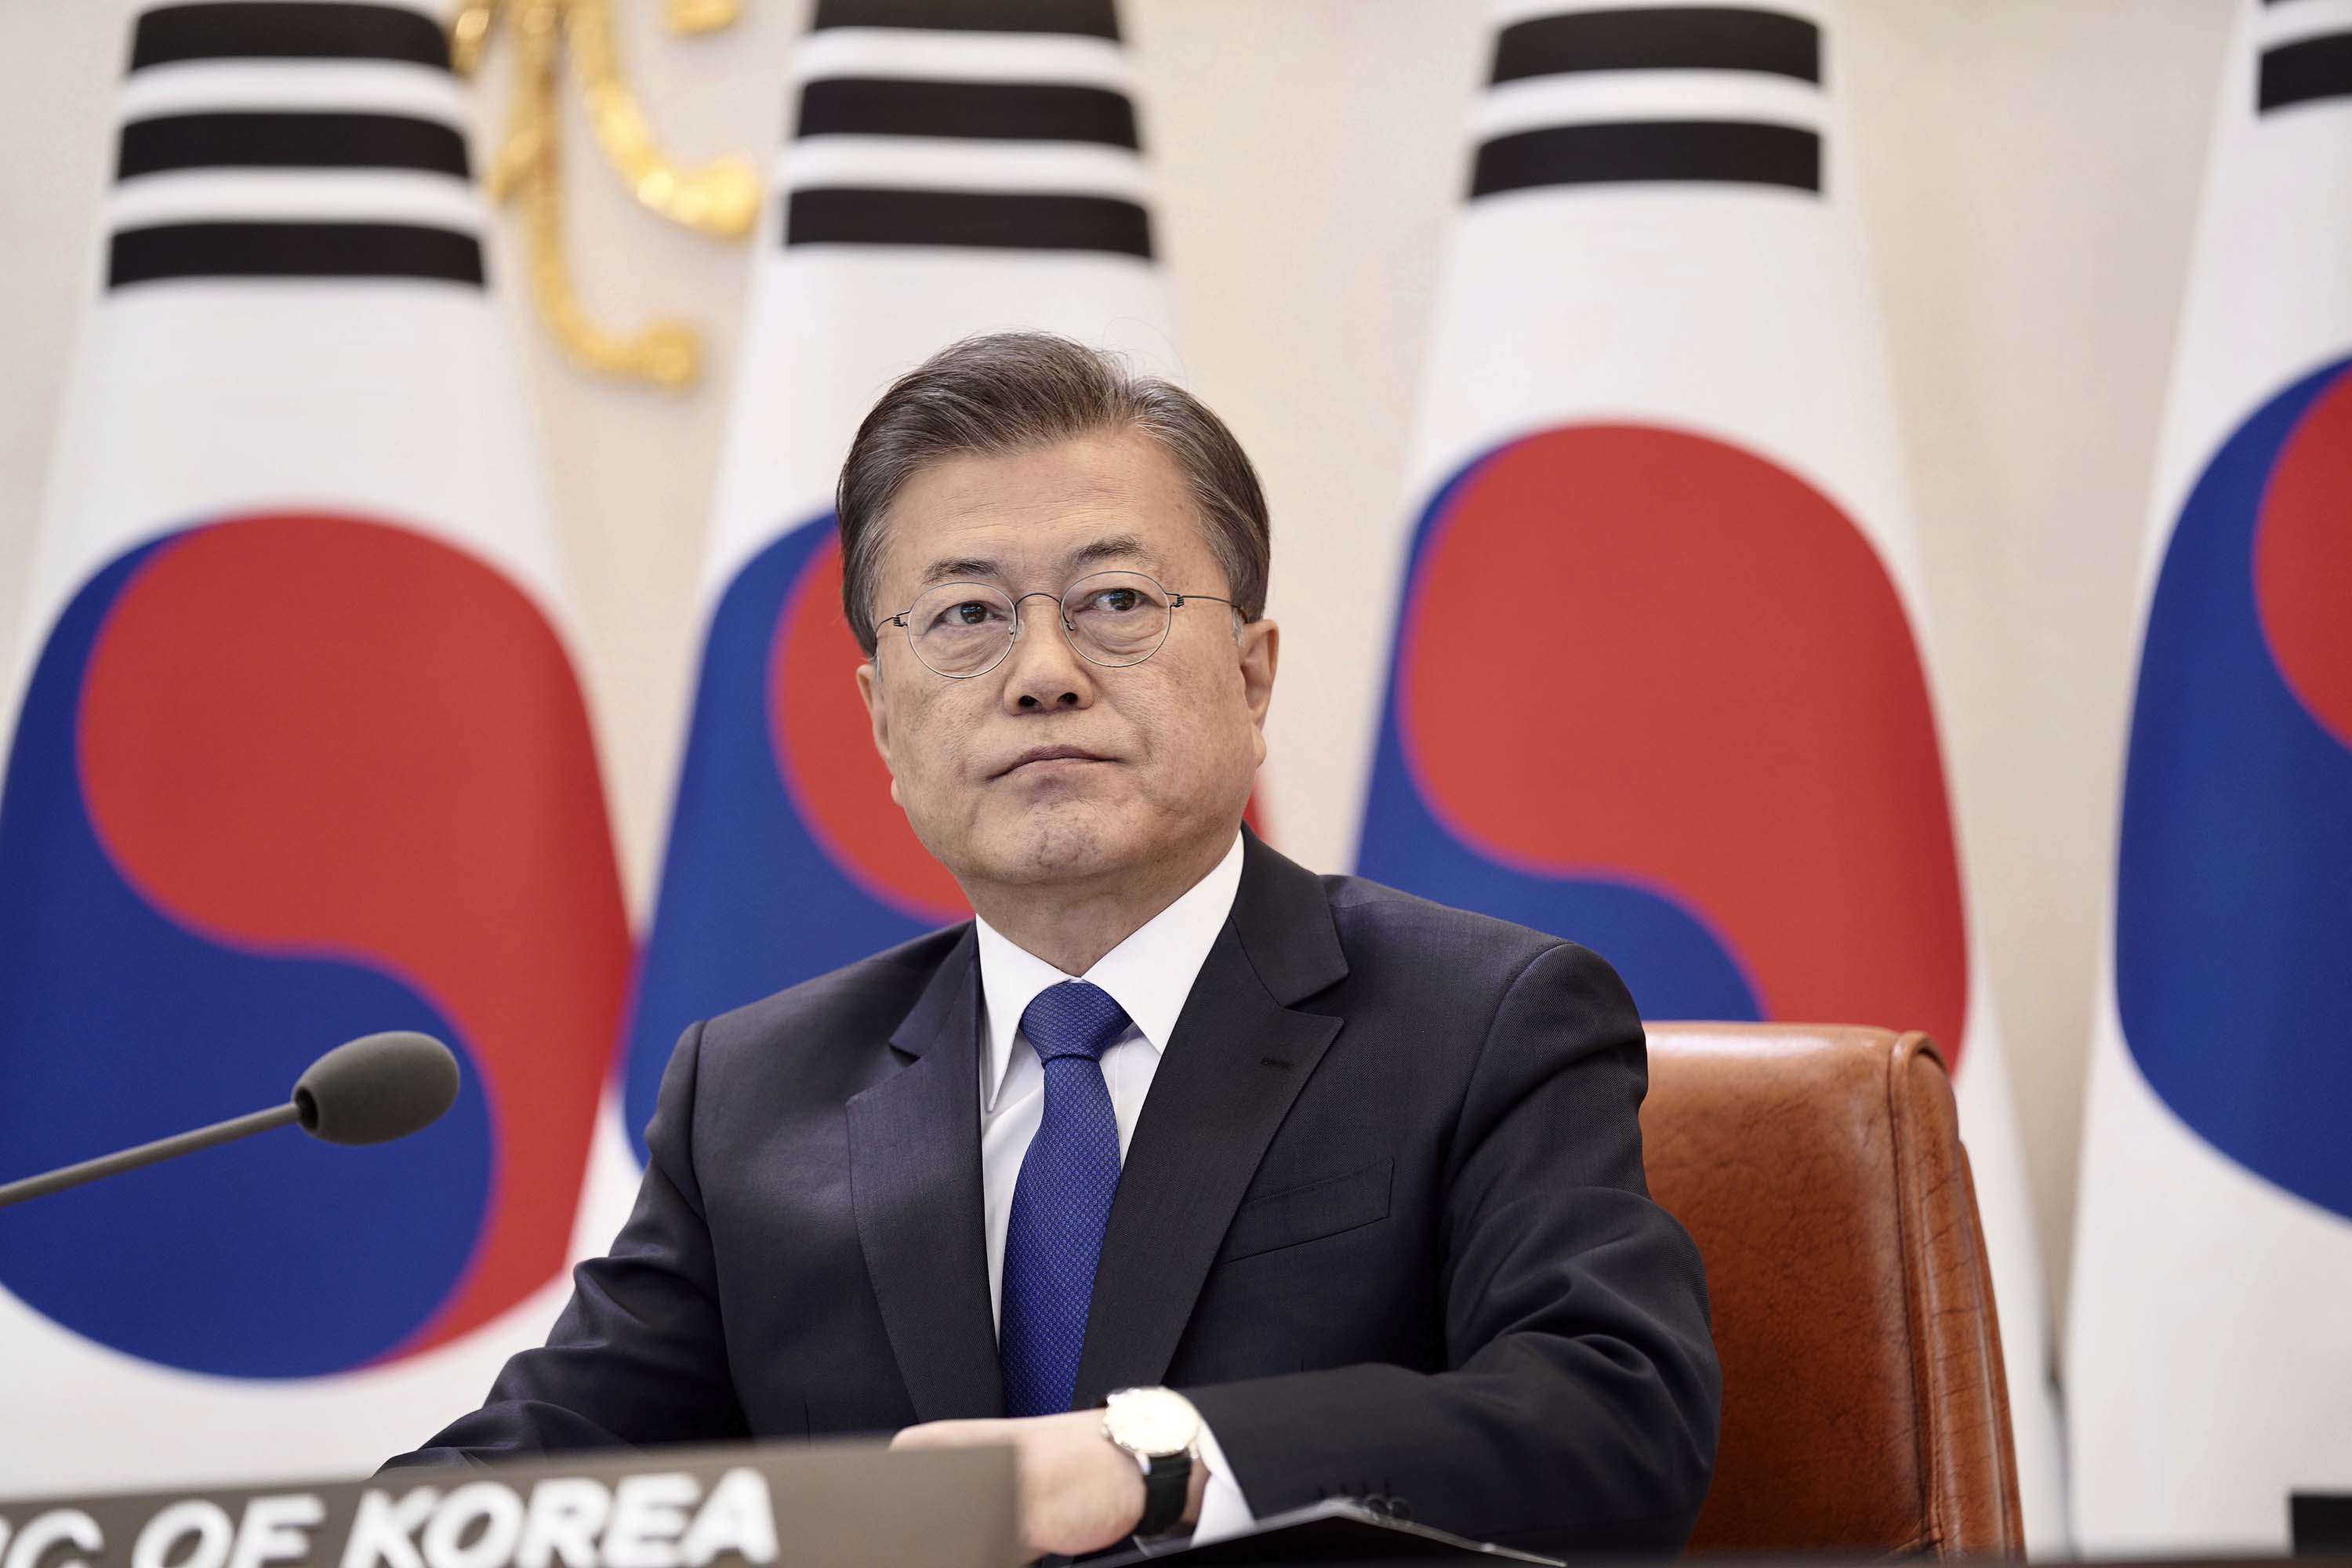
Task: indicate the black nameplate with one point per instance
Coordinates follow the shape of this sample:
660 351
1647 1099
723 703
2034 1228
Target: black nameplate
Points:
779 1506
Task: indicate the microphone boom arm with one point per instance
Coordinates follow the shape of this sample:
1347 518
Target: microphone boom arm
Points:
236 1127
369 1090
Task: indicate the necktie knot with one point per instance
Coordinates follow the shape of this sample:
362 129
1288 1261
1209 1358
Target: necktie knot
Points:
1073 1019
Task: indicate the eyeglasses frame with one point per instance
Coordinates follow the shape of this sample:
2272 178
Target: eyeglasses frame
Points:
1069 633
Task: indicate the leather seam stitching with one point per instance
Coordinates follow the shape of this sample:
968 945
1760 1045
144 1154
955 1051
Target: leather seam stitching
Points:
1906 1225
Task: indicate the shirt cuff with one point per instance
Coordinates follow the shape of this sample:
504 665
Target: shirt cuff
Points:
1224 1510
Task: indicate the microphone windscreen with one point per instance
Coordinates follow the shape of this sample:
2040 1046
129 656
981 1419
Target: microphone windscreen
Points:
377 1088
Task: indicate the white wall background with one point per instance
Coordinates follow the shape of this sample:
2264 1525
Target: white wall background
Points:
2032 168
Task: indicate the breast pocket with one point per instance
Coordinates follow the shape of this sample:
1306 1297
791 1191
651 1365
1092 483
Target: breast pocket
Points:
1309 1212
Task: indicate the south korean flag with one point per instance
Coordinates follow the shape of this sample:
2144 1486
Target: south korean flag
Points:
2210 1347
952 169
1659 682
296 754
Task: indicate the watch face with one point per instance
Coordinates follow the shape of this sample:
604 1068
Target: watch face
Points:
1151 1421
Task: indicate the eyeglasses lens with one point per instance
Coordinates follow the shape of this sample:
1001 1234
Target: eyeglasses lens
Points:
1116 618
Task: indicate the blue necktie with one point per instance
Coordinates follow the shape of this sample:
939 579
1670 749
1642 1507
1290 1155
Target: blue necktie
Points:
1061 1202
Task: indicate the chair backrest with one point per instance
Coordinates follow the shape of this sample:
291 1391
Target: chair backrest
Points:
1820 1170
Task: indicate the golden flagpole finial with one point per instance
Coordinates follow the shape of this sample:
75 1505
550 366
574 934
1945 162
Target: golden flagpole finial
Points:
701 15
720 198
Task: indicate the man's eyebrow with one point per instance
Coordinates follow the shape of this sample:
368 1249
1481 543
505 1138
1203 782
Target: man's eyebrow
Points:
985 569
1112 547
960 569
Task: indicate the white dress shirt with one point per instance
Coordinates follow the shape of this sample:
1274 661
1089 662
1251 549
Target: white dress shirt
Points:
1150 975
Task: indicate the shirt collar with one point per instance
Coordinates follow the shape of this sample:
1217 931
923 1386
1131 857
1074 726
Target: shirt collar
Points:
1149 974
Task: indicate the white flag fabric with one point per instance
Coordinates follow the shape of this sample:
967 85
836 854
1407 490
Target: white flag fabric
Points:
2209 1356
952 169
1658 683
297 754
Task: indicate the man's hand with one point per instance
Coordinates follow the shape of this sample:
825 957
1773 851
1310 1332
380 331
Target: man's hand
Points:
1079 1490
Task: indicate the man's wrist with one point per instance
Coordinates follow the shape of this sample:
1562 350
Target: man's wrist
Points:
1135 1481
1157 1431
1196 1491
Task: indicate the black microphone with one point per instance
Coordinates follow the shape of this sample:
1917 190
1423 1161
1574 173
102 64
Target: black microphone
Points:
369 1090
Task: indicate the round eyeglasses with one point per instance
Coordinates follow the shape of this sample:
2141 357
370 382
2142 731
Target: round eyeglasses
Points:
1115 618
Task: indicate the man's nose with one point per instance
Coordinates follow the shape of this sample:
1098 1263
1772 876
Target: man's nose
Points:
1044 671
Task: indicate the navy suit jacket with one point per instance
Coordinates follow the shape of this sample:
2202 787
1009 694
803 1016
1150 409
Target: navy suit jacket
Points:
1382 1218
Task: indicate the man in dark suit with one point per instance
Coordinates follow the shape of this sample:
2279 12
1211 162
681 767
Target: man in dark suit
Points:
1214 1187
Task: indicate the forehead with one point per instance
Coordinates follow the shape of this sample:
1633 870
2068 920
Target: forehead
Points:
1115 497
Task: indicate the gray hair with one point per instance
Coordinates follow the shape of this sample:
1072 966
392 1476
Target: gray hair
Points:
1010 392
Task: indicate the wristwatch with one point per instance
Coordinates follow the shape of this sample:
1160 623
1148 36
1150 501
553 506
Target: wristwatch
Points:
1161 1429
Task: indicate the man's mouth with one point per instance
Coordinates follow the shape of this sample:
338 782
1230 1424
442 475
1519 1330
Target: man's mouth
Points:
1050 757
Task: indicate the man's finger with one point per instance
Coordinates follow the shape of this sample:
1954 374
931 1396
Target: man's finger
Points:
951 1435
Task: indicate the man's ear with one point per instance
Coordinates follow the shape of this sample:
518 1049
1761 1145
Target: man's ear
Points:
869 689
1261 648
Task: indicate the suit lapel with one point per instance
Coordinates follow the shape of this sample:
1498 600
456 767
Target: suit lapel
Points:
1236 1060
915 1183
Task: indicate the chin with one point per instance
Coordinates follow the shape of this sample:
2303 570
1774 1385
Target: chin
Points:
1065 841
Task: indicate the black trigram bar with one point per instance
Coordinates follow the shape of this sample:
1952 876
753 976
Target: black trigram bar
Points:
2305 70
1673 37
1088 18
271 139
993 219
287 29
1729 151
1000 110
292 250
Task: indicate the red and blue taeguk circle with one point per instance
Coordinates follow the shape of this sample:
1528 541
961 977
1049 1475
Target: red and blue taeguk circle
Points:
278 780
1655 693
787 856
2234 909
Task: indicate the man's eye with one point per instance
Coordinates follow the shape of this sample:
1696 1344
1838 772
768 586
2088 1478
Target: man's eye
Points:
968 614
1117 601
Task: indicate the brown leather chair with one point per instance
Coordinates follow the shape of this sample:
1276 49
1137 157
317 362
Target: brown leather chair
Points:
1819 1169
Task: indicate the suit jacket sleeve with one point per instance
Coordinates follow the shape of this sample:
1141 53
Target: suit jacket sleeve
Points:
638 1355
1580 1406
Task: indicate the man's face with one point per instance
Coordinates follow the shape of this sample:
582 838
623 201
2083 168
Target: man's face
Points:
1160 754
